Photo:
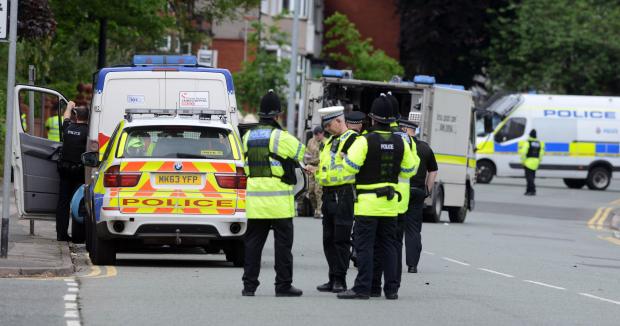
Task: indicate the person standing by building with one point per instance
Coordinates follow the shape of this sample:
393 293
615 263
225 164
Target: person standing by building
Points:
378 158
70 165
531 152
422 184
271 155
338 198
311 158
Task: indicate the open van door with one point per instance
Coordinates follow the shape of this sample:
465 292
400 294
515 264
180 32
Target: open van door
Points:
34 161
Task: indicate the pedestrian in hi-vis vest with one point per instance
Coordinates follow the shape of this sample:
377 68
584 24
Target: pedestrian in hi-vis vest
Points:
378 159
338 197
271 155
531 152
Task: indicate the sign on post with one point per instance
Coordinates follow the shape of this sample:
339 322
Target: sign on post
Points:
4 22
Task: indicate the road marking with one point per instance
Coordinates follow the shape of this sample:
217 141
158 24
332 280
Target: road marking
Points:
429 253
71 314
601 221
70 305
615 202
72 284
496 272
611 239
599 298
94 271
70 297
455 261
595 217
73 323
545 284
72 289
111 271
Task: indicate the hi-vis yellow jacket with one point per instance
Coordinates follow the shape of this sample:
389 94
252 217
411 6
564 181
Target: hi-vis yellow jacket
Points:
269 197
368 204
531 163
331 170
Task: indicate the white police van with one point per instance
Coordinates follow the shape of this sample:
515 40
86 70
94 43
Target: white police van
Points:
581 136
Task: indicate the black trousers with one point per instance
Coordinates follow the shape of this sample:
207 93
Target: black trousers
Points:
409 227
67 187
530 175
254 239
337 223
382 231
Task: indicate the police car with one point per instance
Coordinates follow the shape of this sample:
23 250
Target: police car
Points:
167 177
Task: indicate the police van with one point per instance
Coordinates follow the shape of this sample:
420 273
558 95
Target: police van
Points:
167 177
447 125
581 136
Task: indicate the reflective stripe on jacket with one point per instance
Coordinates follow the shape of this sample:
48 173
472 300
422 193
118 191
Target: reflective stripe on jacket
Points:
331 170
269 197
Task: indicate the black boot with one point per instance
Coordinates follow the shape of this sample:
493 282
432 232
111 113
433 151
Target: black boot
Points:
327 287
391 296
290 292
339 287
247 293
412 269
350 294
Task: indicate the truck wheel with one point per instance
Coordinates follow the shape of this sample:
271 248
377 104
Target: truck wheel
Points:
598 178
102 251
235 253
433 213
458 214
77 232
575 183
485 170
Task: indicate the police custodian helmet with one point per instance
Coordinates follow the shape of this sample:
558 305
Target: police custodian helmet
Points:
270 105
381 110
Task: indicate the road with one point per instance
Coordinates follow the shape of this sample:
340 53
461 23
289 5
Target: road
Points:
517 260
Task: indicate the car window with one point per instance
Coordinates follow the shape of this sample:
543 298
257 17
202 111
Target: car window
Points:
514 128
177 142
110 145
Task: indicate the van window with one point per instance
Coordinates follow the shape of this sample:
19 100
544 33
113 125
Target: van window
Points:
514 128
177 142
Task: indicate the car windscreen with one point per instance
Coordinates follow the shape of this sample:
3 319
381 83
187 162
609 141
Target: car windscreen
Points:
176 142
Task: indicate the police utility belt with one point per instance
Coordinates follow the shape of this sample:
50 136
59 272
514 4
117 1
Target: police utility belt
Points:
387 191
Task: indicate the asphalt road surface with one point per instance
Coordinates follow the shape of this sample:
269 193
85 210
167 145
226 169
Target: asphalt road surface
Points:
544 260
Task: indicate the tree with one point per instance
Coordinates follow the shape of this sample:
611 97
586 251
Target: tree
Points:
345 45
266 70
558 46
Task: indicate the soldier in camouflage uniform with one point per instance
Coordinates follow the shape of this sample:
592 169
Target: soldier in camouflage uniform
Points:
312 158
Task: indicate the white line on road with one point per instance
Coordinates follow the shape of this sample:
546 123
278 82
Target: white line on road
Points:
72 289
69 280
545 284
429 253
599 298
71 314
73 323
455 261
72 284
496 272
70 297
70 305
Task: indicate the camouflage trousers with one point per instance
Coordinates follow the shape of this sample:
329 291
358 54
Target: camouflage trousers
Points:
315 193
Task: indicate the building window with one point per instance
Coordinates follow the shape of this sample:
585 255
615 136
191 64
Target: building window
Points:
289 7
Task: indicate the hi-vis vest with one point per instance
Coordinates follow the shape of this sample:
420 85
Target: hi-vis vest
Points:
531 152
385 152
331 171
534 149
53 128
266 195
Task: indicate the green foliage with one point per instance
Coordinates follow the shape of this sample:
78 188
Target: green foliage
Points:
265 71
344 44
558 46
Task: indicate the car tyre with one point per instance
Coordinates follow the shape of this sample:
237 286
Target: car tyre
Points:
598 178
458 214
485 171
103 252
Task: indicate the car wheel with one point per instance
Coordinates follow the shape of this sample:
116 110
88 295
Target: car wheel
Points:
102 251
458 214
598 178
485 171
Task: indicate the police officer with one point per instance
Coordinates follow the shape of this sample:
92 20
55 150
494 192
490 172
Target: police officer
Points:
421 186
355 121
403 205
70 165
338 198
378 158
311 158
271 155
531 152
53 128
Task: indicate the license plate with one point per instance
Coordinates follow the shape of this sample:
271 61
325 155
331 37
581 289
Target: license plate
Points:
178 179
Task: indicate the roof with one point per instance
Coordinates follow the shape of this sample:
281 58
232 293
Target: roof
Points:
101 74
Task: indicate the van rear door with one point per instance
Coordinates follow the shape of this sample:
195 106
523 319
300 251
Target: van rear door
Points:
198 90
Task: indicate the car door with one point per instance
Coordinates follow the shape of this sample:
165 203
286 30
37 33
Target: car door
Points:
34 162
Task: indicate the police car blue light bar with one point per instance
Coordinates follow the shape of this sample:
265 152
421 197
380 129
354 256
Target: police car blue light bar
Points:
459 87
424 79
148 60
336 73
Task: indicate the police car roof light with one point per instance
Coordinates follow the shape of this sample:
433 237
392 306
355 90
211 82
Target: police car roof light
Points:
335 73
424 79
159 60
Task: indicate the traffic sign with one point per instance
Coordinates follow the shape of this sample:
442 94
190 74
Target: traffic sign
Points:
4 22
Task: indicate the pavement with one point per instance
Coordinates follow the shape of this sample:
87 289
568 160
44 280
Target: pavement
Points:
38 255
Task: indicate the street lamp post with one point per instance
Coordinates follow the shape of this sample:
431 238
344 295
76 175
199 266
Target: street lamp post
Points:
292 83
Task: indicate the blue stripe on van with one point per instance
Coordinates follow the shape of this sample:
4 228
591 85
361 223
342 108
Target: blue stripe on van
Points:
104 71
557 147
507 148
607 148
